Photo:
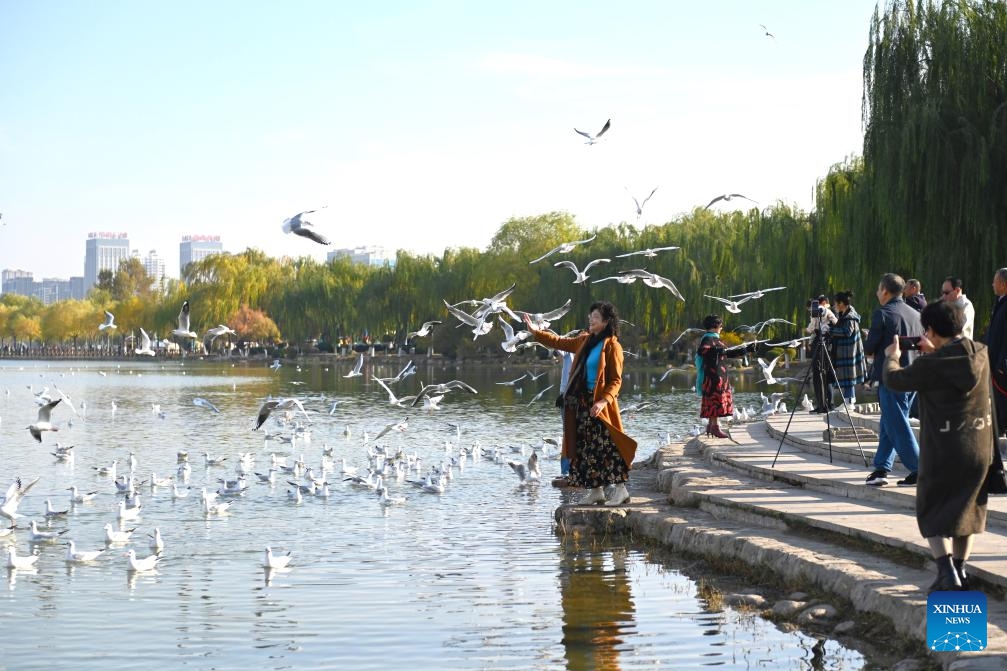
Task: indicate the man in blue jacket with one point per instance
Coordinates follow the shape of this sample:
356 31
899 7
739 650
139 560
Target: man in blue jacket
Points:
893 318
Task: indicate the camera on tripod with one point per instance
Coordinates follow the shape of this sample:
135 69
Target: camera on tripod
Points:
816 309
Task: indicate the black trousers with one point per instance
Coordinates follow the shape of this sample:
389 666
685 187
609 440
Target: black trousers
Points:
819 376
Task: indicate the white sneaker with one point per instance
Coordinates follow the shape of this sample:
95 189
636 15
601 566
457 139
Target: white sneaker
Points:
596 495
620 495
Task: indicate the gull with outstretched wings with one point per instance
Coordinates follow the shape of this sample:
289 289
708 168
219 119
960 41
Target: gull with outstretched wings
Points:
732 306
580 276
299 226
727 197
639 204
183 330
591 139
649 252
563 248
542 320
109 322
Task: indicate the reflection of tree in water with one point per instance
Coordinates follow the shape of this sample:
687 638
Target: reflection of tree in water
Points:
597 608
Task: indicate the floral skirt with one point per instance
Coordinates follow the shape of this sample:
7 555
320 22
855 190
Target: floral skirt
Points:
597 462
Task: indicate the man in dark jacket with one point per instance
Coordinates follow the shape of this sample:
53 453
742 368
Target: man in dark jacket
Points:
996 341
913 295
893 318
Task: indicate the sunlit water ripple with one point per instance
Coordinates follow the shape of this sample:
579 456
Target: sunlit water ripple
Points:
472 579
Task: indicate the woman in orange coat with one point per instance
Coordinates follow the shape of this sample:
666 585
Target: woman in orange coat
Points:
600 453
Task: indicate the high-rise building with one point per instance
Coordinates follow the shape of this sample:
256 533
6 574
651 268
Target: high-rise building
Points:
104 251
21 282
49 290
368 256
154 265
196 248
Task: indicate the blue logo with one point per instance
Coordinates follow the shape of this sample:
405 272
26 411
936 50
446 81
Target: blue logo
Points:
956 621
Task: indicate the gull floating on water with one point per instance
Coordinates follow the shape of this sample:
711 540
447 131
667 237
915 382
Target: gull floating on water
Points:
37 536
51 512
562 248
42 423
156 541
114 536
299 226
592 139
275 561
138 564
75 556
84 497
109 322
22 562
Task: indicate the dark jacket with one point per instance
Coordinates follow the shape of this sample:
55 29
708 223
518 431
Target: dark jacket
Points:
917 302
956 436
996 339
891 319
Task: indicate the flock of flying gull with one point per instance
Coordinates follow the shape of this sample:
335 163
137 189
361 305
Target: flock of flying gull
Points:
298 225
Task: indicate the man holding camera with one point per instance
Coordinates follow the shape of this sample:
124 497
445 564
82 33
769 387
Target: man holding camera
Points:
822 319
893 318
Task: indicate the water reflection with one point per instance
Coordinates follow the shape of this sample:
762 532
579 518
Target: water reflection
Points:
597 606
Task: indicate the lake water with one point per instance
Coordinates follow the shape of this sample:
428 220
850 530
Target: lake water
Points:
474 578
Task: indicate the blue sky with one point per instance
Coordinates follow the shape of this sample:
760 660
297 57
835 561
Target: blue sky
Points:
421 125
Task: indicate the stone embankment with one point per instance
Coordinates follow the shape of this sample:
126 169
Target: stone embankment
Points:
803 513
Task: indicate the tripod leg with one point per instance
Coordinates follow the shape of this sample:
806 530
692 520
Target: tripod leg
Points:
804 384
832 369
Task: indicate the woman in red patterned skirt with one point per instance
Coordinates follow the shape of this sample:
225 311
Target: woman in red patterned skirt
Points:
712 382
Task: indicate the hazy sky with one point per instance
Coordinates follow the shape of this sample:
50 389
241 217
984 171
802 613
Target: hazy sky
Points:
421 125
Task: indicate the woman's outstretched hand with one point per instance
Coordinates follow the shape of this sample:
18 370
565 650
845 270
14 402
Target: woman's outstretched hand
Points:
529 325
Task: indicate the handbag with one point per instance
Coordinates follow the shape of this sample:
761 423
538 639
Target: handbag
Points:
996 478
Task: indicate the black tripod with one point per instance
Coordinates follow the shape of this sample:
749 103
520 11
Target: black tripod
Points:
819 354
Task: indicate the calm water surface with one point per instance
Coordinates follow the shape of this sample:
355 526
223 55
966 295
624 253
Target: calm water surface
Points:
471 579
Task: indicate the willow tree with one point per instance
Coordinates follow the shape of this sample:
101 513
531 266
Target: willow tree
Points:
934 193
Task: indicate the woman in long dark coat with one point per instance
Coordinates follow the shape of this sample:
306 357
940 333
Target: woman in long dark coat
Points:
600 453
956 437
712 382
847 348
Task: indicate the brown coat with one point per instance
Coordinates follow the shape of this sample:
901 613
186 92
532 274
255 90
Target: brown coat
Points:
606 387
956 435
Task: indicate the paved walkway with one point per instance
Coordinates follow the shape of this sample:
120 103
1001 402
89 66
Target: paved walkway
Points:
809 519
